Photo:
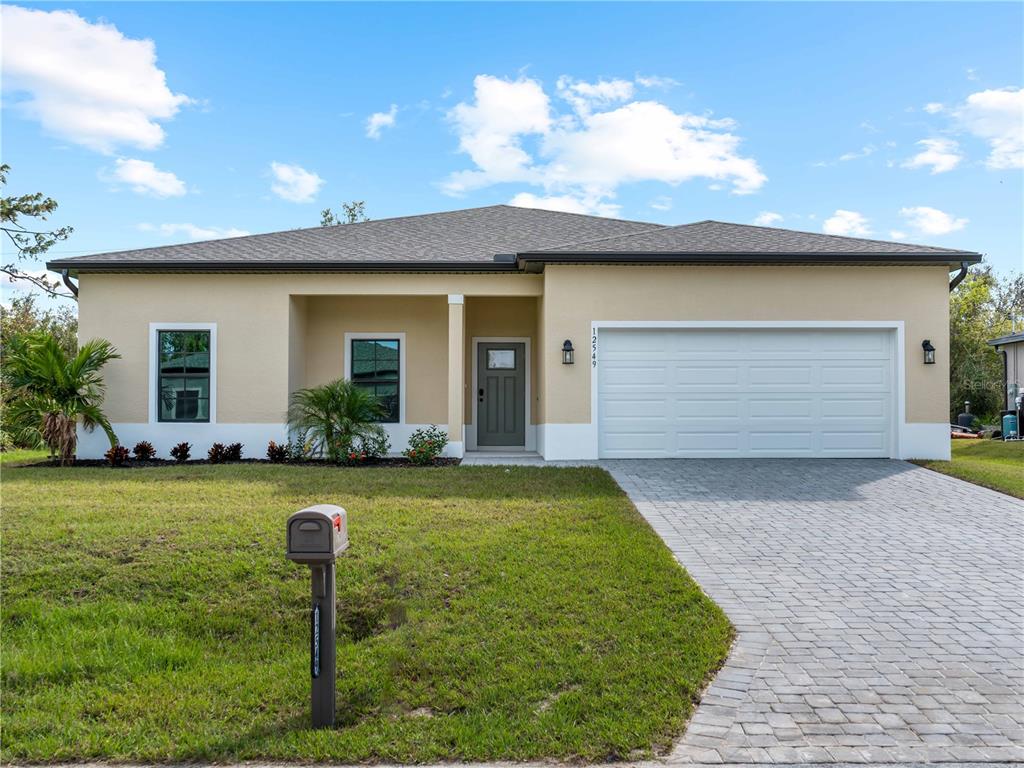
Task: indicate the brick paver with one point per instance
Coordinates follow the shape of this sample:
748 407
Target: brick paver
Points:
879 608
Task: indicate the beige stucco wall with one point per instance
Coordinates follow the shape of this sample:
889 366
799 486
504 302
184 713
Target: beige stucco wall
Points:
576 296
274 336
423 320
500 316
277 332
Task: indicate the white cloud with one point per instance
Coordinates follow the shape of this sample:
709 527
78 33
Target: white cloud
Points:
940 155
932 221
934 107
145 178
294 183
584 97
997 116
378 121
565 203
862 152
193 232
85 83
767 218
513 133
656 81
850 223
898 234
662 203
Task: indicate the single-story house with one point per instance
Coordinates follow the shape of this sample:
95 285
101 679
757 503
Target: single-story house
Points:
1011 347
574 336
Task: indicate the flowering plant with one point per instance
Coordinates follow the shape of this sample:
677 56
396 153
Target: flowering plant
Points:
426 444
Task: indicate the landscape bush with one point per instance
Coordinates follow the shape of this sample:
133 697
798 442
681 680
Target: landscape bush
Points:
117 456
143 450
426 444
181 451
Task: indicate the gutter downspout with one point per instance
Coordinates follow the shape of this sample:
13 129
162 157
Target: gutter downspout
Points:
959 277
66 278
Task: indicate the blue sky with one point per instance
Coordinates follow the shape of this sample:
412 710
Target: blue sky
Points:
885 120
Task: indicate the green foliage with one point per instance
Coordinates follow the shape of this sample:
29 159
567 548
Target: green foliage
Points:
33 241
484 614
426 444
23 317
352 213
50 391
995 464
334 418
980 309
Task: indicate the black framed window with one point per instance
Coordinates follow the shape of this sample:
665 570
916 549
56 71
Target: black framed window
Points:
183 386
375 366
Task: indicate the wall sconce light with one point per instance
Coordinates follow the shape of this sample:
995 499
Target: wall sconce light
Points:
567 353
929 352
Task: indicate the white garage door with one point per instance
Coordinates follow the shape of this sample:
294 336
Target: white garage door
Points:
726 393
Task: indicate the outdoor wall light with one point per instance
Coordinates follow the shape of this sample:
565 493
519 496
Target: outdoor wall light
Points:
567 353
929 352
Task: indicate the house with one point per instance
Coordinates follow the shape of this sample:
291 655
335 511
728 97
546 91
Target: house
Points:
518 329
1011 348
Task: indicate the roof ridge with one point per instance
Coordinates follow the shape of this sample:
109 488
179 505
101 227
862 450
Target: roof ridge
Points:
650 225
831 236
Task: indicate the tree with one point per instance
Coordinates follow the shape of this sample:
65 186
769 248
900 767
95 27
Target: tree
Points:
981 308
51 390
29 243
334 417
354 213
23 317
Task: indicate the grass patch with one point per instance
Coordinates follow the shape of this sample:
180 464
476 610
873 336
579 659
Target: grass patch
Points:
18 456
484 613
992 463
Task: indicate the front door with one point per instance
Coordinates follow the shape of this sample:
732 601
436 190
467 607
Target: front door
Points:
501 394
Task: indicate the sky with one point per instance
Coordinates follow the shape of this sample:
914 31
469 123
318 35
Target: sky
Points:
155 123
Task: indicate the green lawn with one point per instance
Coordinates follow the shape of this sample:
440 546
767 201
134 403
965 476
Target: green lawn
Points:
992 463
484 613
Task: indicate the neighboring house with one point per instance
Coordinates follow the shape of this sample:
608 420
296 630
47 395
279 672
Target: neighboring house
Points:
1012 350
698 340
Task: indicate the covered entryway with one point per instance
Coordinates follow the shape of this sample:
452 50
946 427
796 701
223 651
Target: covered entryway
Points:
722 393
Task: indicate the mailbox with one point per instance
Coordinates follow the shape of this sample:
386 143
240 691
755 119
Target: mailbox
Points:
317 534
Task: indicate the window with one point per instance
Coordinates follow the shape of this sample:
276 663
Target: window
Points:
501 359
375 366
183 385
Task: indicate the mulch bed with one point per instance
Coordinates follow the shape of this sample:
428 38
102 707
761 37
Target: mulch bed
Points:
389 463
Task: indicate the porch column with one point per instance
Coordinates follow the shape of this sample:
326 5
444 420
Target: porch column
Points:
456 372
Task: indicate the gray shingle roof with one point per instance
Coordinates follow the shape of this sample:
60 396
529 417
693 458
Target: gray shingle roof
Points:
716 237
471 239
473 235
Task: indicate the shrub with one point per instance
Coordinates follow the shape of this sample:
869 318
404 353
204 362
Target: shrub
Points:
143 451
373 444
117 456
217 453
278 453
426 444
332 418
181 451
233 452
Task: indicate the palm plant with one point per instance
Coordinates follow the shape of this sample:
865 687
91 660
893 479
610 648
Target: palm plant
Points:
49 391
333 417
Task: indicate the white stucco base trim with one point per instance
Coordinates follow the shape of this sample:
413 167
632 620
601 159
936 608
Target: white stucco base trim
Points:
567 441
924 441
254 438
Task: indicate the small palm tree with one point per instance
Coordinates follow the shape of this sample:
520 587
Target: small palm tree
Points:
332 417
49 391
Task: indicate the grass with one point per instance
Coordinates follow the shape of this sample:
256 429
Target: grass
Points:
18 456
992 463
484 613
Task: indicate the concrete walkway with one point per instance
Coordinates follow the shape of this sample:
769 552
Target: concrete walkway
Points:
879 608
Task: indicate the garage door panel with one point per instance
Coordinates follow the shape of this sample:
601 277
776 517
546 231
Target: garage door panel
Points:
745 393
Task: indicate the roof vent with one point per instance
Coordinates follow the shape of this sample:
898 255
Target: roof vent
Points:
505 258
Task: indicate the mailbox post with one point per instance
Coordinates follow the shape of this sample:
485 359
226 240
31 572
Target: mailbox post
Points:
316 536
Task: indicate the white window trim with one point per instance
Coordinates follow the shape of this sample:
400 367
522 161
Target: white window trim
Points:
899 442
347 355
530 433
154 371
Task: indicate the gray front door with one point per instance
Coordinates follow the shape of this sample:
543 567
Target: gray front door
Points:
501 394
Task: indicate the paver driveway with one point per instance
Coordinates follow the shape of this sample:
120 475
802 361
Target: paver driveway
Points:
879 608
